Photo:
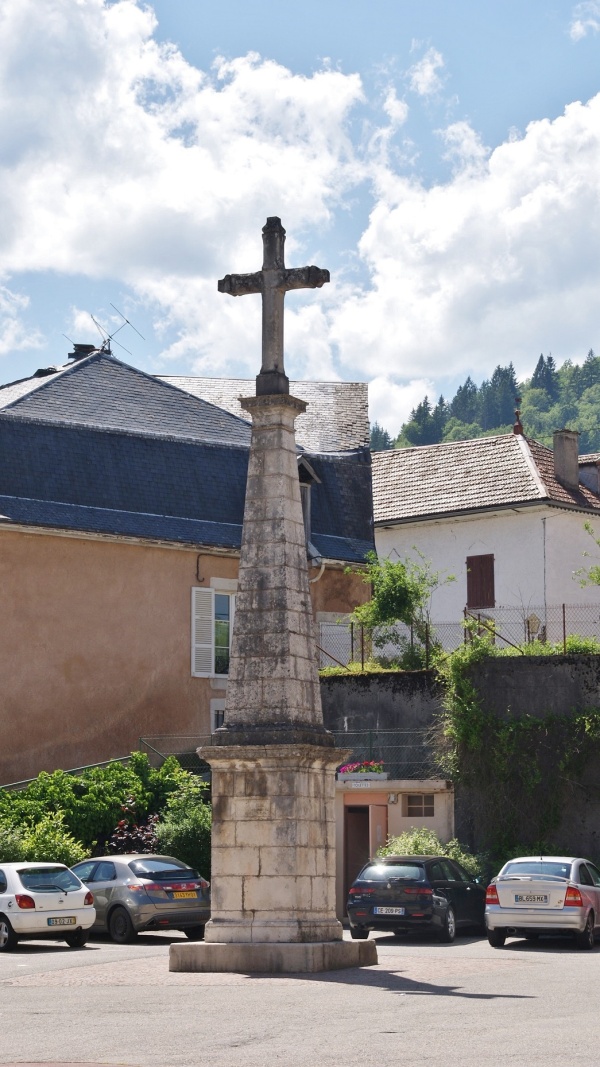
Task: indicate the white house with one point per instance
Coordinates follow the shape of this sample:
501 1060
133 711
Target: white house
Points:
505 516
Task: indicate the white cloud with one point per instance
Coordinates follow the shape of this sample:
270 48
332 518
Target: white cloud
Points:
585 19
14 334
423 76
390 402
464 146
499 263
121 160
395 109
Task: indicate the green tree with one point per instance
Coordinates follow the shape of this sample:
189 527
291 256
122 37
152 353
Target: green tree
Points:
465 405
401 592
380 438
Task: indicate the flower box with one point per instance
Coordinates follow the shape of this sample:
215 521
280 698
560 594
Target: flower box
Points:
361 776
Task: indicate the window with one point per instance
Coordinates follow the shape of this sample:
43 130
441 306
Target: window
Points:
212 625
480 582
84 870
105 872
449 873
417 805
595 873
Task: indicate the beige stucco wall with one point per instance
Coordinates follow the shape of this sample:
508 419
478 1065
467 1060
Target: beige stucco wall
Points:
95 646
380 794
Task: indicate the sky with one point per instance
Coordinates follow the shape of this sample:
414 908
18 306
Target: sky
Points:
441 159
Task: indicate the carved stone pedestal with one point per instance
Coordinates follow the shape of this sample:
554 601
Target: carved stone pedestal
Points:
273 857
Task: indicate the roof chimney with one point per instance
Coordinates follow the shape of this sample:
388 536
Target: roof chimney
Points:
566 458
81 351
518 426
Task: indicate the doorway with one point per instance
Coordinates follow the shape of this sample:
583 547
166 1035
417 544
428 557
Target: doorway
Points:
356 842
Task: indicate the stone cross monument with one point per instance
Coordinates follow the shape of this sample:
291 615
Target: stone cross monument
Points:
273 763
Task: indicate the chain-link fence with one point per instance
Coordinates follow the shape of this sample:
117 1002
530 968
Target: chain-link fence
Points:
344 643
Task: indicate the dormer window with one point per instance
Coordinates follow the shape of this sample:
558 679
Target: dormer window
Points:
308 477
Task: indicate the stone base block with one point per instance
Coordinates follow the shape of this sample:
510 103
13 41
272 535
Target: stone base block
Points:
267 958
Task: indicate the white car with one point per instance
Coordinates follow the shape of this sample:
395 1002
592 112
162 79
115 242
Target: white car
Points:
535 895
43 900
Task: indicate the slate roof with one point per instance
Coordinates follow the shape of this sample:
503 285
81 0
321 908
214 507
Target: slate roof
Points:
101 447
100 391
468 476
336 419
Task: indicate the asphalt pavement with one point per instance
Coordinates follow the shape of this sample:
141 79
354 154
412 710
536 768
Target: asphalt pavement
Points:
423 1005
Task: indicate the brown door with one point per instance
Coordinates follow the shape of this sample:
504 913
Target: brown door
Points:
356 844
377 827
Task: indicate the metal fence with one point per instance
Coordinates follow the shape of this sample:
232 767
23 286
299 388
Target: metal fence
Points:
343 643
404 753
184 747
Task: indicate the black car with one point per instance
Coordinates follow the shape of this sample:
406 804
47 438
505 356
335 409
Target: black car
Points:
401 893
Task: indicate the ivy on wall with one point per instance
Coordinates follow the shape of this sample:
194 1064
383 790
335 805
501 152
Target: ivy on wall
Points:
518 773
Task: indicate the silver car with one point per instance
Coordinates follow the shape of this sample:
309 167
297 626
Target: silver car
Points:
535 895
140 892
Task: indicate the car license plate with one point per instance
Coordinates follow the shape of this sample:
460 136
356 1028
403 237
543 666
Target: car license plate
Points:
180 896
531 898
388 911
64 920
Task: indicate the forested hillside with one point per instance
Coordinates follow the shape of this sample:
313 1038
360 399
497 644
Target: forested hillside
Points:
550 400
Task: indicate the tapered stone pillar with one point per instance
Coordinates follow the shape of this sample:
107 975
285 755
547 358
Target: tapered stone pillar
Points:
273 763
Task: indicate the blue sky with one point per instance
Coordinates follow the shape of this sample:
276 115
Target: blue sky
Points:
441 159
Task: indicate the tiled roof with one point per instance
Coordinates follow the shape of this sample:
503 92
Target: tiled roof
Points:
336 419
102 392
590 457
487 472
544 460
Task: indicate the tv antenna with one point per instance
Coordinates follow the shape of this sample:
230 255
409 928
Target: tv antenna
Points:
107 337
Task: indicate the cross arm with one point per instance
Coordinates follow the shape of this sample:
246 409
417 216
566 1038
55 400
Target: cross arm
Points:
303 278
241 284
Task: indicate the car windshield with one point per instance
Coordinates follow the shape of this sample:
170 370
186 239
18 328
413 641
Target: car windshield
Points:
382 872
548 868
157 869
49 879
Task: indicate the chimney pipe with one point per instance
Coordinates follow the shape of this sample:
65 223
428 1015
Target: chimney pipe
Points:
518 426
566 458
81 351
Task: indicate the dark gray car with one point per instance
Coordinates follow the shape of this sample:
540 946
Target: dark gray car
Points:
138 892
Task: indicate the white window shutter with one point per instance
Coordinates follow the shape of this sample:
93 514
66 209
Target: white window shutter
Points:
202 632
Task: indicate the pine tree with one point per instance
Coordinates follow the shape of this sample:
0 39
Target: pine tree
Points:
465 405
380 438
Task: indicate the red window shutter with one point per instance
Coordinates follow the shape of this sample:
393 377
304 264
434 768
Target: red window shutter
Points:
480 582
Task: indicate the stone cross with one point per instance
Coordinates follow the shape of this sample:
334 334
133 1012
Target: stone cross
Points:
273 282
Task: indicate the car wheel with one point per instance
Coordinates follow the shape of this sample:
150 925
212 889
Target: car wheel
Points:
448 931
8 938
120 926
496 938
585 939
77 939
358 934
194 933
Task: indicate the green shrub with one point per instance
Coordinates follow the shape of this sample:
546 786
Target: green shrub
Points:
11 844
47 840
183 829
187 838
92 802
420 841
